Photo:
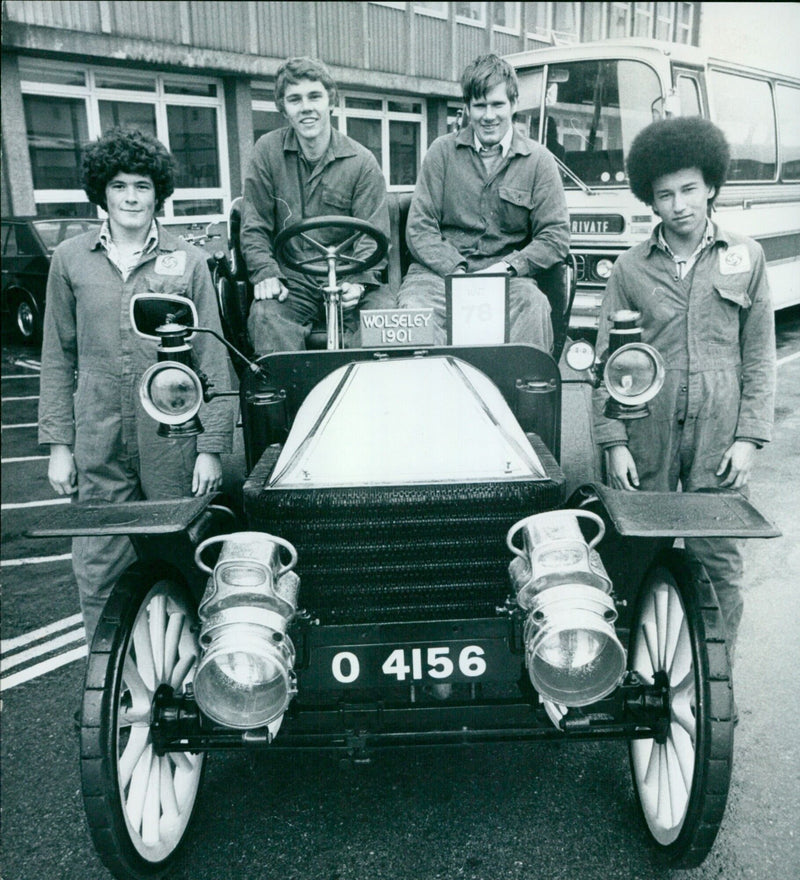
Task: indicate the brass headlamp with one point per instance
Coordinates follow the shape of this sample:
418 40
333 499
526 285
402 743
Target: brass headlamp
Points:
245 678
572 652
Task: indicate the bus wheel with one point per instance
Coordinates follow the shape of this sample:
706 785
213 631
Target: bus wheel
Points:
678 637
138 804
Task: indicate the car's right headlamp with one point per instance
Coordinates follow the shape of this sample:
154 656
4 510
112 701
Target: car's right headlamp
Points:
171 394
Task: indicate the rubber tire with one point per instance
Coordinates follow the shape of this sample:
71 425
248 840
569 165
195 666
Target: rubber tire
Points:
688 842
103 690
27 317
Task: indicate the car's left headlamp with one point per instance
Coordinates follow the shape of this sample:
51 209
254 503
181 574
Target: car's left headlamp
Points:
171 394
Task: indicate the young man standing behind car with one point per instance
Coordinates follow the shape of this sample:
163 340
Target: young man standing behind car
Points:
306 170
488 199
705 306
103 446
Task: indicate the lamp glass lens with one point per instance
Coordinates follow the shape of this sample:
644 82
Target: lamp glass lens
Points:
631 373
173 392
571 649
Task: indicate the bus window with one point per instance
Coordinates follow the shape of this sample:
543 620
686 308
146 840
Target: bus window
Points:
789 130
593 110
743 109
689 94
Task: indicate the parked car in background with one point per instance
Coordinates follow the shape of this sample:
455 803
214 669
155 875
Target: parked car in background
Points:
27 246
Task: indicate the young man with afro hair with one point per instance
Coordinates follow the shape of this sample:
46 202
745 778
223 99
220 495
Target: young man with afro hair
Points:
705 306
103 447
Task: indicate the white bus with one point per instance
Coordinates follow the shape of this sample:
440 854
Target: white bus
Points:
587 102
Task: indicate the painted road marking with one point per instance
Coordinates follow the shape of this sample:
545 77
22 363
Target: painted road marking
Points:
789 357
35 634
9 681
21 650
22 504
34 560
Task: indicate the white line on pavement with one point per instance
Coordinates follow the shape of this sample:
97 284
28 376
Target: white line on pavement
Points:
76 635
9 681
19 505
35 634
789 357
20 458
34 560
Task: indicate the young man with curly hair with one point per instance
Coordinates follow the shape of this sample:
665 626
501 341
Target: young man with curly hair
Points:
307 169
103 447
488 199
704 302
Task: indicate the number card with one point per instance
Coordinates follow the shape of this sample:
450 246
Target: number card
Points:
477 309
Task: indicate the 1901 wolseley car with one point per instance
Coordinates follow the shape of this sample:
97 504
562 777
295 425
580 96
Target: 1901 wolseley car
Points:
405 569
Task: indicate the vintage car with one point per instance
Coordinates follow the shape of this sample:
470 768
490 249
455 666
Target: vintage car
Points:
27 246
406 570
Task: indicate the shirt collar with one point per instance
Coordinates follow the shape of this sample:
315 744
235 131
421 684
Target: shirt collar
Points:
151 242
505 142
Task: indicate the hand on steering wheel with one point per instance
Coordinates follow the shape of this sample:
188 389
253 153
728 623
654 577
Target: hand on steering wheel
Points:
331 258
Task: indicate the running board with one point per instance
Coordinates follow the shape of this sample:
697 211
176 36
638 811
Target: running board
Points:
124 518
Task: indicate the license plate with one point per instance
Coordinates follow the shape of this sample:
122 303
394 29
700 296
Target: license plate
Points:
380 664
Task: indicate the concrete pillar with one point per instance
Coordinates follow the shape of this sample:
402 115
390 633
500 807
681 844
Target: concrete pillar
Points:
17 183
239 121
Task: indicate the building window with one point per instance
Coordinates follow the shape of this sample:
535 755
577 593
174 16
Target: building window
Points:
685 24
665 21
565 21
505 17
66 106
643 19
471 13
593 21
619 20
538 20
437 10
392 128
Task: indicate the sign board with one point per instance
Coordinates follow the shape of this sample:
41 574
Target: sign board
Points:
477 309
382 328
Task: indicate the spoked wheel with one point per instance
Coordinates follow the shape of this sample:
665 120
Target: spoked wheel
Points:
682 780
138 804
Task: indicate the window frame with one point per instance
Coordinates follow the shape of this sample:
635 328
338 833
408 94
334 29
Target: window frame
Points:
433 13
472 22
505 29
160 99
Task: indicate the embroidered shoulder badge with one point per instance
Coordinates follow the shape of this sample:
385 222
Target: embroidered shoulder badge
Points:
171 264
734 260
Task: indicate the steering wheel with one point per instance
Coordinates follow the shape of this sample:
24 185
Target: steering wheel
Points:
331 256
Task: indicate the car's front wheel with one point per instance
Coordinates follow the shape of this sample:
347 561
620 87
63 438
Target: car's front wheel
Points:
682 779
138 803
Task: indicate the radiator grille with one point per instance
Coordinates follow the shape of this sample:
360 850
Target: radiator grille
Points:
377 554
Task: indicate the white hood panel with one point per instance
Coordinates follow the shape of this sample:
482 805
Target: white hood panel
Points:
410 421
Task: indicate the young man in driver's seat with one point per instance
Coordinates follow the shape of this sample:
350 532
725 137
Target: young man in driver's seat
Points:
307 169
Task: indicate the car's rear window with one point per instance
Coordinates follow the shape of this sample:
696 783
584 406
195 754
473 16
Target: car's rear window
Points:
53 232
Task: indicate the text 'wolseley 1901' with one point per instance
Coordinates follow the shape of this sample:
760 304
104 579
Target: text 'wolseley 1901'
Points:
406 570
